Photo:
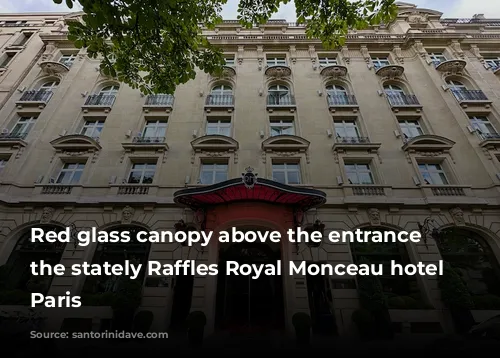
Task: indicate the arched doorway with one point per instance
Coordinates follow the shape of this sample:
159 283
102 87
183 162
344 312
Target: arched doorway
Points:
472 258
246 303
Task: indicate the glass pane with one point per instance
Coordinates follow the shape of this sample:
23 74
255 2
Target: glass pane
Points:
64 178
278 166
293 178
365 178
220 177
76 177
134 178
206 177
353 178
279 177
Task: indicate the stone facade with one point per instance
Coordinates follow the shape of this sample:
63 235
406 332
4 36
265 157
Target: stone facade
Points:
69 162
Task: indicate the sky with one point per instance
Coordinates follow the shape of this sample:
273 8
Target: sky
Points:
450 8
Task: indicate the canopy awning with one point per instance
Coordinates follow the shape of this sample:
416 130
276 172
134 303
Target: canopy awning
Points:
262 190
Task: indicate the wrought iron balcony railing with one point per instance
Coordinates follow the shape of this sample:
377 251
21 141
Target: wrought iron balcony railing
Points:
352 140
166 100
469 95
220 100
400 99
342 100
12 136
100 100
280 100
36 96
490 136
147 140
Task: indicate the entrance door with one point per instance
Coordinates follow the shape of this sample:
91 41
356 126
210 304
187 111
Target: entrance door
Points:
244 303
181 305
321 305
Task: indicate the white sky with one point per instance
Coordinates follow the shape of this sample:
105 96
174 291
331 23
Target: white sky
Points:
450 8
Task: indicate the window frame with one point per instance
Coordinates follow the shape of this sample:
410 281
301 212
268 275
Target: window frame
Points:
286 170
443 171
73 171
356 163
211 163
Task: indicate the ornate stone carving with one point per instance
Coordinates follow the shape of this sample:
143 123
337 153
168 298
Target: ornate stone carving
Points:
458 216
419 47
127 214
345 54
374 216
293 54
278 72
391 71
334 71
49 50
417 17
47 214
365 53
452 66
476 52
457 49
241 52
398 53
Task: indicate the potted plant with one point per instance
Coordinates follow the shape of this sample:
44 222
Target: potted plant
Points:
143 321
456 296
196 322
302 323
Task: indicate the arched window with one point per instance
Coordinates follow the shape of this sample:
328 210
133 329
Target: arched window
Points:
221 90
110 90
401 291
279 95
337 94
117 253
221 95
17 269
49 86
393 90
455 85
470 255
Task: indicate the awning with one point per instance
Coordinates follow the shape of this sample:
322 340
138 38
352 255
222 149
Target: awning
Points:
262 190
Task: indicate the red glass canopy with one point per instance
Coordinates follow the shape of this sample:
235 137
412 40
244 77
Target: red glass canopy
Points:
263 190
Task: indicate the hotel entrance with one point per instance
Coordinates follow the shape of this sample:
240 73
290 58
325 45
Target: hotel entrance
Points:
244 303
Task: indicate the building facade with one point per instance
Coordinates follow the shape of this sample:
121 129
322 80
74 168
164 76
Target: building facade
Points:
397 129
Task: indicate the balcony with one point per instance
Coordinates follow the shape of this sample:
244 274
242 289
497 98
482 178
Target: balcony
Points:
38 98
342 102
146 143
219 101
278 71
334 71
99 102
355 143
452 66
390 71
57 189
159 101
53 68
490 140
133 190
400 101
283 101
13 140
368 190
471 97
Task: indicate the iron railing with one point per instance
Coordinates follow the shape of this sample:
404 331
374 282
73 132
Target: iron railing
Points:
220 100
352 140
36 96
10 136
342 100
166 100
469 95
148 140
401 99
280 100
100 100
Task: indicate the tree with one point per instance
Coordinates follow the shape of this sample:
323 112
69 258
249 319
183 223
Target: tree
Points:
155 45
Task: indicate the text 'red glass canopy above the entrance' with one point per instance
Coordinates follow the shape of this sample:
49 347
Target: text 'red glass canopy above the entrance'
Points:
263 190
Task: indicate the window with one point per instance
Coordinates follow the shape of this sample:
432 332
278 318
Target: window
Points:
23 38
23 126
482 125
456 85
67 60
492 62
286 173
70 173
279 95
5 60
410 128
392 90
155 128
281 126
213 173
221 90
346 129
379 62
220 126
229 60
276 61
433 174
49 86
437 58
142 173
92 128
359 173
109 90
327 61
3 163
